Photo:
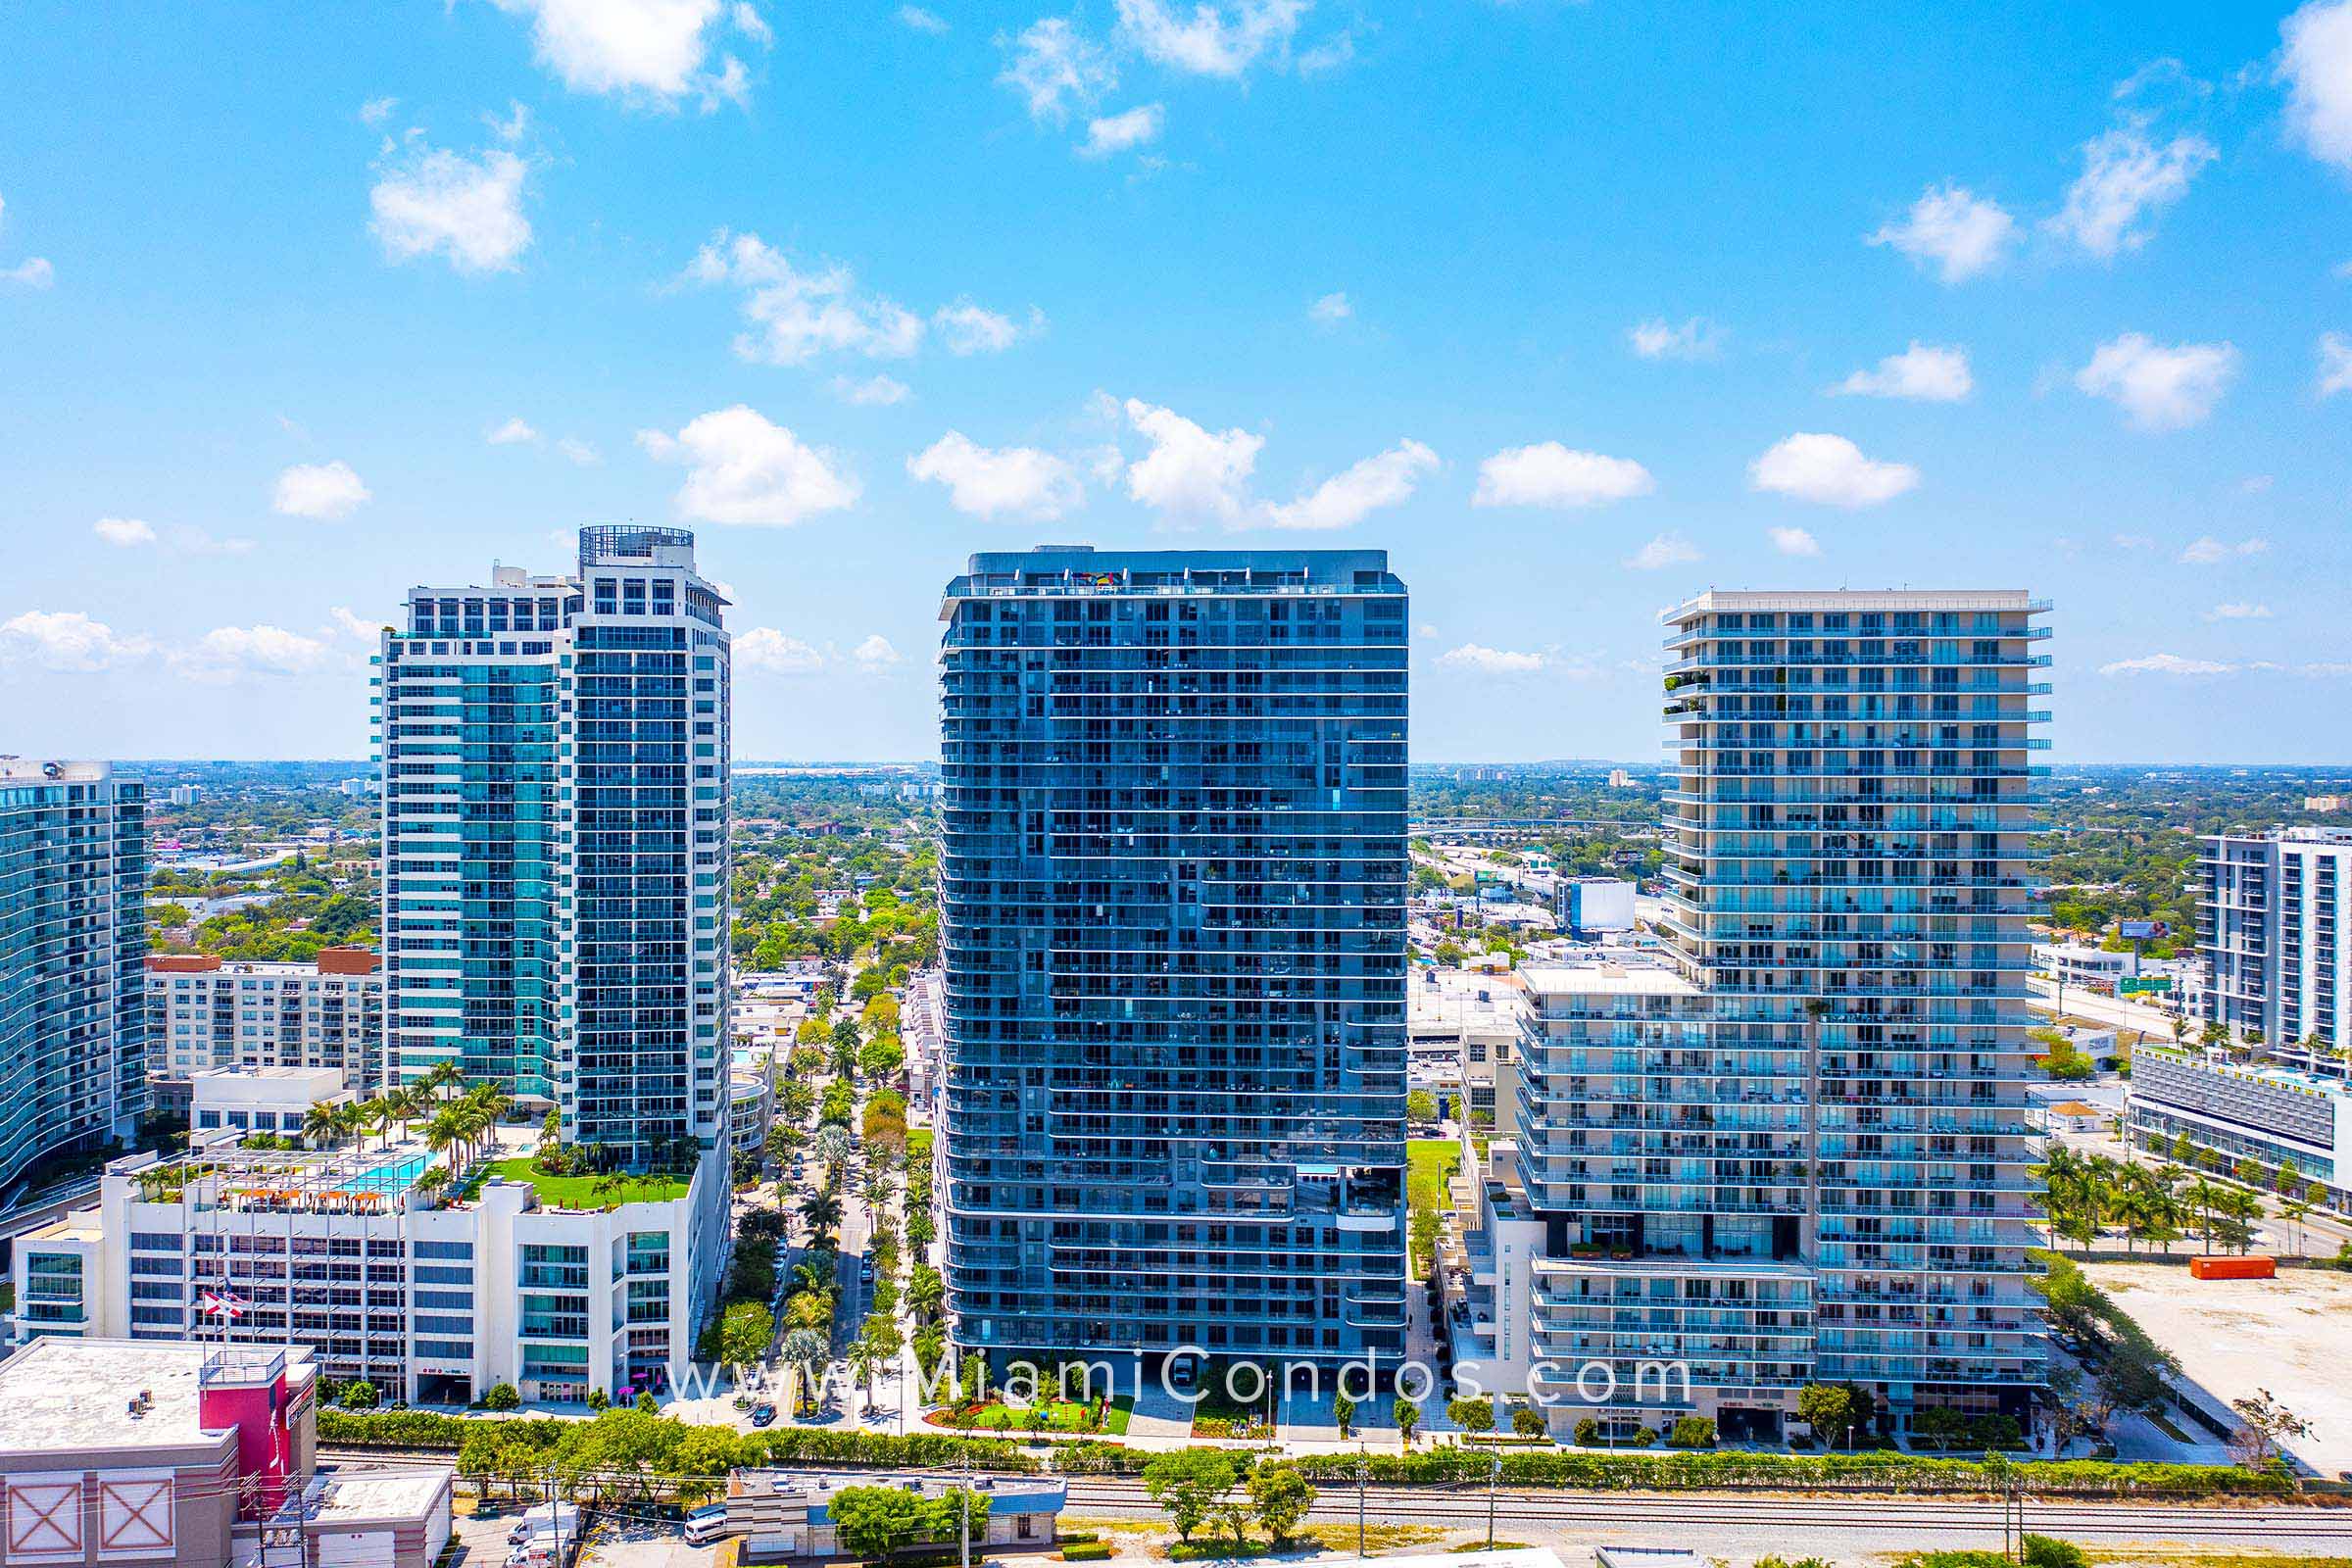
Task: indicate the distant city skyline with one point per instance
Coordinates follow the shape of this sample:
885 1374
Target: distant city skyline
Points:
1573 311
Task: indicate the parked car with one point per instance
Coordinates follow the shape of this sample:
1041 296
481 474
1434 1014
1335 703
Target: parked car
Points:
705 1525
865 1272
763 1413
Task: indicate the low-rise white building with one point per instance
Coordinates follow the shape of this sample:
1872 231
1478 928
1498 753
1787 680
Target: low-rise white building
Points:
751 1108
205 1012
360 1256
782 1513
264 1099
2076 964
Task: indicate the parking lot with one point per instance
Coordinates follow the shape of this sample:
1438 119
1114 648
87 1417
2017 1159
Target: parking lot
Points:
482 1544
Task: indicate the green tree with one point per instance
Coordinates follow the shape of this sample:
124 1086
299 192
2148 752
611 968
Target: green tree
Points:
744 1332
1475 1415
1421 1105
1186 1485
1527 1421
1830 1409
875 1521
1343 1411
1409 1417
1281 1497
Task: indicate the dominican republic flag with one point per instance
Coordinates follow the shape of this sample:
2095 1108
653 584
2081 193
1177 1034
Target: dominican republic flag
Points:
222 1303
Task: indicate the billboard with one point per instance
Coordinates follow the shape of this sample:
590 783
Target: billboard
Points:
2144 930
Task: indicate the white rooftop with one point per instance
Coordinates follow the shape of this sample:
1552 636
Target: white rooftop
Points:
72 1395
354 1496
1606 979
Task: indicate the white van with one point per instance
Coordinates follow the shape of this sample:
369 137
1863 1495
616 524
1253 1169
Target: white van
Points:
705 1525
542 1517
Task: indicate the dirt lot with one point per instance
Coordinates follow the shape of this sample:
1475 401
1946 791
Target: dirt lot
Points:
2291 1335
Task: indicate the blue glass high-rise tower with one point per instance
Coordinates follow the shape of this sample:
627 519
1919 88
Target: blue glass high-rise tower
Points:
1173 875
555 755
73 948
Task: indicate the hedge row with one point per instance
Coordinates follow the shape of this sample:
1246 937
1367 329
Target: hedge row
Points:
1877 1471
1600 1472
424 1428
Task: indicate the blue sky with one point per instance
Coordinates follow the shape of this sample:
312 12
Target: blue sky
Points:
1574 307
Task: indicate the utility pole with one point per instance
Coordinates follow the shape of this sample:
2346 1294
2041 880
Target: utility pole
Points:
964 1512
555 1510
1363 1479
1494 1475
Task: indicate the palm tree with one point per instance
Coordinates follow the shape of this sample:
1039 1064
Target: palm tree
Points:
822 1212
2203 1198
835 1151
401 1104
350 1120
444 1130
321 1124
865 1359
804 1351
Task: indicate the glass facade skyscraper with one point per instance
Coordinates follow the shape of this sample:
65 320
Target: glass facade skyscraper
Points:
72 950
1798 1152
1172 878
555 756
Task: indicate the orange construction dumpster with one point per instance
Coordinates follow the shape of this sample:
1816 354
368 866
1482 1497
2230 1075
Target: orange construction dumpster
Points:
2232 1269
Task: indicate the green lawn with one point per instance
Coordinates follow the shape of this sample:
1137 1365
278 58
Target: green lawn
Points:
581 1192
1429 1163
919 1145
1061 1415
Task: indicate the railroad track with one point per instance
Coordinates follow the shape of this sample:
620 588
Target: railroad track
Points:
1336 1503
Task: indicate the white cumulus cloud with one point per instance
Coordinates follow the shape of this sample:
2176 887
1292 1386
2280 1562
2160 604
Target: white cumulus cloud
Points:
68 641
1952 231
1330 308
1828 469
324 490
1921 372
429 201
2335 364
921 21
1117 134
1657 338
2316 63
1549 475
1348 498
2160 387
2239 611
513 432
743 471
1491 660
2125 178
1210 39
797 315
767 649
579 453
649 52
968 329
874 391
874 655
124 532
2166 664
34 272
2208 550
1190 473
992 482
1666 550
228 652
1053 66
1793 541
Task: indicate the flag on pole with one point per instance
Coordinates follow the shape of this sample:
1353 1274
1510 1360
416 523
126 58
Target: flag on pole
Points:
222 1303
